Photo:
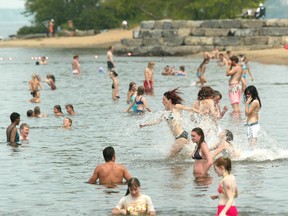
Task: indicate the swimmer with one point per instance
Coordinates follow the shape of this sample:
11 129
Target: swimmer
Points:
216 98
75 65
24 132
140 101
224 146
37 112
181 71
134 202
34 85
149 77
201 70
131 94
222 61
50 80
67 122
227 188
70 109
115 85
110 62
246 68
168 71
57 110
201 155
36 99
12 134
213 55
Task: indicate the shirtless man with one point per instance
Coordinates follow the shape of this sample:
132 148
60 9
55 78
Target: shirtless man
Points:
34 85
213 55
36 99
109 173
234 70
222 61
110 62
149 77
11 131
75 65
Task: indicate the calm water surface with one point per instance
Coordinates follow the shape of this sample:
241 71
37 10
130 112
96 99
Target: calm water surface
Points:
47 176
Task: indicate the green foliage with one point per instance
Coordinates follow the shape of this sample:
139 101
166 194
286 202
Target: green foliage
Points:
32 30
105 14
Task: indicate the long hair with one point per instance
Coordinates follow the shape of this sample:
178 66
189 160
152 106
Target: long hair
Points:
229 135
200 132
254 94
133 182
131 85
205 92
225 162
174 96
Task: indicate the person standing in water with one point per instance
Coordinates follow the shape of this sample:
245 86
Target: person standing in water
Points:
131 95
34 85
75 65
115 85
140 102
252 108
134 202
201 70
234 70
173 106
227 188
12 134
149 77
110 62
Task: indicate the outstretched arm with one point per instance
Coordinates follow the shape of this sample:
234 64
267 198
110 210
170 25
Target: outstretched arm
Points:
94 177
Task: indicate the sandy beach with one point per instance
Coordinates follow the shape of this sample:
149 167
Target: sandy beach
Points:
277 56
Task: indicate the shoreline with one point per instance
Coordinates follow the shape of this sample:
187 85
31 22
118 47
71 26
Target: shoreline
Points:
277 56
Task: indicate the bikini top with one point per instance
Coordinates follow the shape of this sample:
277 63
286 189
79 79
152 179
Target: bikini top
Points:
220 188
113 86
196 155
139 102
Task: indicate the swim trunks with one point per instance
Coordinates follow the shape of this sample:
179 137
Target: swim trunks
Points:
110 65
146 87
75 71
252 130
234 93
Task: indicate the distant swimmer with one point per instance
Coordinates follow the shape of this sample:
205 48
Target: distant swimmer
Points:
37 113
200 72
24 132
245 68
252 109
34 85
110 61
115 84
67 122
213 55
149 77
75 65
36 99
109 173
70 109
131 95
181 71
57 110
50 80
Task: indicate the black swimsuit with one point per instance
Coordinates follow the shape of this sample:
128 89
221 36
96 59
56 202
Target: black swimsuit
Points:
197 155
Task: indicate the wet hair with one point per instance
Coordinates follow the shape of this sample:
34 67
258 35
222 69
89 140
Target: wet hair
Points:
200 132
75 56
58 107
37 63
70 105
114 73
14 116
205 92
254 94
174 96
182 68
37 111
225 162
51 76
229 135
217 93
234 58
133 182
29 113
70 120
131 85
108 153
23 125
140 90
221 54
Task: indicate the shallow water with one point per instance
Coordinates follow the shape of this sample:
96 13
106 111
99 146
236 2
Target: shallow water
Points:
48 175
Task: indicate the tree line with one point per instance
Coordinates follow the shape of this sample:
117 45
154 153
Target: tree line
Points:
107 14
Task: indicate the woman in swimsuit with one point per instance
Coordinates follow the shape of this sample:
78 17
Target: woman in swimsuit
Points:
131 94
201 70
140 102
246 68
57 110
227 188
201 154
225 146
115 86
252 108
12 134
173 106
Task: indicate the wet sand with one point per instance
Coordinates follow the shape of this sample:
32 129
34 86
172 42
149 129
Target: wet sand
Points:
277 56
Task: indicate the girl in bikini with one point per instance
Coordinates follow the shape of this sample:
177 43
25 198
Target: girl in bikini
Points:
227 188
140 101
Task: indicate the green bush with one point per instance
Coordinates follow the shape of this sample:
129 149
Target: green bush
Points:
32 30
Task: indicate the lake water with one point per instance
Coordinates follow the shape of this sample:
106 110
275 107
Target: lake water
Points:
48 175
